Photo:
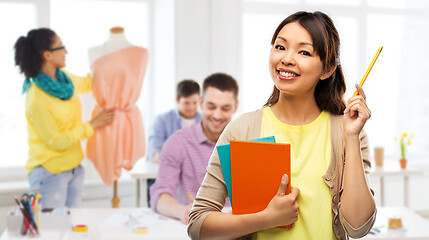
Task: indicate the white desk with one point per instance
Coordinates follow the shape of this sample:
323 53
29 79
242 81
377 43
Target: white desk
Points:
109 223
143 171
415 227
392 171
116 223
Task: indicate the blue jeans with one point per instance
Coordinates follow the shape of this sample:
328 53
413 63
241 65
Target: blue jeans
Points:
63 189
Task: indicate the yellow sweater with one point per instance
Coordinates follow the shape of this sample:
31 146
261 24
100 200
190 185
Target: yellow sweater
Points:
55 128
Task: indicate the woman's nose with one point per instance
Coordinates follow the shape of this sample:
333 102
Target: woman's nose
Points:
288 59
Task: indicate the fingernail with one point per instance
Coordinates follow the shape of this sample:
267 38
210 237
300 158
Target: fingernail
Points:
284 178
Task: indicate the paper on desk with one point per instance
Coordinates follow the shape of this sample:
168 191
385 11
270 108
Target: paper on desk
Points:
120 225
143 217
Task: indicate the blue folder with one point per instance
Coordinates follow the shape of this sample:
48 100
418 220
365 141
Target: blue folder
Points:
224 153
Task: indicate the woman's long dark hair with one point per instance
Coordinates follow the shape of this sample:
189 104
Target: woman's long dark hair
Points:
29 50
329 93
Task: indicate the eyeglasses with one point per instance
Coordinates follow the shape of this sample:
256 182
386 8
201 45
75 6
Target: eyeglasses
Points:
57 48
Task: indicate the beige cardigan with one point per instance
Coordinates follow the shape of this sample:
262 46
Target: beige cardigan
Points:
212 193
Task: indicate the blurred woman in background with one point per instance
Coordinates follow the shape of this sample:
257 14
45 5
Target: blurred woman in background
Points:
54 122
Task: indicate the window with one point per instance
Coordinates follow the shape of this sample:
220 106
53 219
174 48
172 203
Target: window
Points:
257 83
13 126
92 26
397 86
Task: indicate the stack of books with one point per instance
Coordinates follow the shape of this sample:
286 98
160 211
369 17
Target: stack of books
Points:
253 171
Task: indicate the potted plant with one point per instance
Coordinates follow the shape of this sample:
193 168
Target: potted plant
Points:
404 141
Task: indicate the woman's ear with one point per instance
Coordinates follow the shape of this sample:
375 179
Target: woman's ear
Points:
46 55
328 73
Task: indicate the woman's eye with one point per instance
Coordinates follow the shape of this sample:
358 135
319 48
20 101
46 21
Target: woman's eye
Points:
279 47
305 53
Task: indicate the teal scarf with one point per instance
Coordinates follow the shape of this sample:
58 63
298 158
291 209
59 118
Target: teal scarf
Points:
62 89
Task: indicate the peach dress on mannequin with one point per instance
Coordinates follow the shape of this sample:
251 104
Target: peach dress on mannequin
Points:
117 82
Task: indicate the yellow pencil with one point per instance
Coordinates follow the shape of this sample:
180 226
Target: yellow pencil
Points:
37 210
369 69
190 196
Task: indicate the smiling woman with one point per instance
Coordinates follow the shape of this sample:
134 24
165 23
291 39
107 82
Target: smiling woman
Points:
302 53
305 110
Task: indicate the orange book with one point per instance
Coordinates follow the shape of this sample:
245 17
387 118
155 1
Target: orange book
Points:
256 172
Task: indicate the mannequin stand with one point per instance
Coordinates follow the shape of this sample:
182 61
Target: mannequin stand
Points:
115 199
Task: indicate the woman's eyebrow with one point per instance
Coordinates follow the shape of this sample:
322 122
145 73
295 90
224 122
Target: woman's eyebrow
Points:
301 43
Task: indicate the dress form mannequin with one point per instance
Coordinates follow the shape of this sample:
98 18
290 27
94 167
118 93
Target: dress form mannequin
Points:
118 70
116 41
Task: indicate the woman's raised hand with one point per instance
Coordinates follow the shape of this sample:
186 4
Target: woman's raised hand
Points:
356 113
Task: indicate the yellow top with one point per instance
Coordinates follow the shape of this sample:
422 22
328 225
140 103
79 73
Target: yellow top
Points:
310 158
55 128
